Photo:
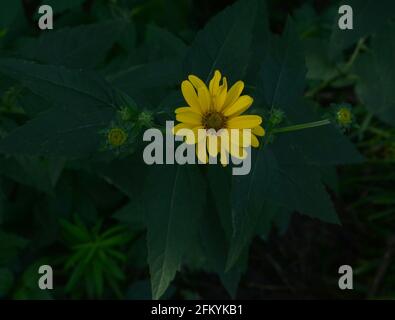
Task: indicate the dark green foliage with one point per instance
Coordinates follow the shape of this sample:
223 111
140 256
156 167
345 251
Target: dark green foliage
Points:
114 227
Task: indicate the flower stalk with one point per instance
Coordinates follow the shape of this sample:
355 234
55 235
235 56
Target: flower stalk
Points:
302 126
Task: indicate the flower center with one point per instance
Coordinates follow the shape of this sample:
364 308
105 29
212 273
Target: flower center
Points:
117 137
214 120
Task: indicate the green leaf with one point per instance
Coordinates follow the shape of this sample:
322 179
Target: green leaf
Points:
260 43
331 148
164 73
376 71
171 219
162 44
282 76
79 47
299 187
59 132
284 174
215 245
39 173
248 196
224 43
73 89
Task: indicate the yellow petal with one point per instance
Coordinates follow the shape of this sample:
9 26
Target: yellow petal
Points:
212 145
244 122
234 93
241 105
238 152
254 141
180 126
184 109
258 131
201 151
204 98
221 96
214 83
196 81
194 137
224 158
240 137
190 95
189 118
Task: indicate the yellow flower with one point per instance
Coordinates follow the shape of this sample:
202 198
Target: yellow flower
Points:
215 111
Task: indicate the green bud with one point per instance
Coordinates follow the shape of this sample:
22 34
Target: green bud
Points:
276 117
146 119
126 113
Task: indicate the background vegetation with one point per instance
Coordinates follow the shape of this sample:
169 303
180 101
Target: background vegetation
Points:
68 200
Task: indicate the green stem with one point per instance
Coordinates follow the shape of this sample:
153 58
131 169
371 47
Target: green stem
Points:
340 72
302 126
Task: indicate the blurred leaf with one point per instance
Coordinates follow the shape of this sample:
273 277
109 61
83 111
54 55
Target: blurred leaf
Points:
10 245
376 71
369 18
172 219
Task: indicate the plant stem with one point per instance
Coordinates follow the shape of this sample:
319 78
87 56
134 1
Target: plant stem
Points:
340 72
302 126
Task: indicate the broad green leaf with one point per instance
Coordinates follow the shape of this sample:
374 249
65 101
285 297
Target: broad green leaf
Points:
125 174
331 148
59 132
215 245
376 71
165 73
224 43
174 198
299 187
73 89
79 47
320 66
369 18
160 44
31 103
282 76
248 195
260 42
39 173
283 174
